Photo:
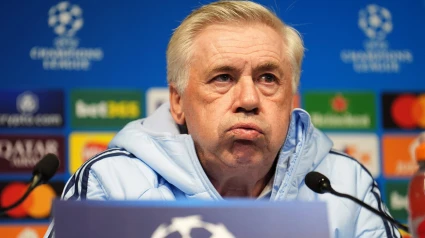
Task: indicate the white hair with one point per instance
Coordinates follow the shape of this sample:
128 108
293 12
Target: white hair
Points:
179 49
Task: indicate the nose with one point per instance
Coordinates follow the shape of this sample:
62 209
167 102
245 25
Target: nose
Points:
247 96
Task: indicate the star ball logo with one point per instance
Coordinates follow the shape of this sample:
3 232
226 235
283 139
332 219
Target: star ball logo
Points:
376 22
66 20
404 110
185 226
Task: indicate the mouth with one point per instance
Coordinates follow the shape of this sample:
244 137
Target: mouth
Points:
246 131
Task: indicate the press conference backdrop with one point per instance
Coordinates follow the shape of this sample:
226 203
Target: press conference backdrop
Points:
74 72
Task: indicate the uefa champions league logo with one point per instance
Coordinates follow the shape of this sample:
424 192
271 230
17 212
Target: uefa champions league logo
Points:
375 21
27 103
376 56
184 225
65 19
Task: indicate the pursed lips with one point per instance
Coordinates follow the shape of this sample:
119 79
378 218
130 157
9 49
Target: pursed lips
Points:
246 131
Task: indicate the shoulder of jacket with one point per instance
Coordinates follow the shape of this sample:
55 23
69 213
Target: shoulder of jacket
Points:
117 163
115 174
346 173
344 160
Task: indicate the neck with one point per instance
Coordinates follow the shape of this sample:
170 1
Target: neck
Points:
239 182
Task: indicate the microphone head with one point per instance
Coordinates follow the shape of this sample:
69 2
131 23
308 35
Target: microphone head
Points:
46 167
318 182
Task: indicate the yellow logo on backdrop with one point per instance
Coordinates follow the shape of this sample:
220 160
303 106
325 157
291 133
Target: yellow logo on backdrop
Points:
123 109
83 146
108 109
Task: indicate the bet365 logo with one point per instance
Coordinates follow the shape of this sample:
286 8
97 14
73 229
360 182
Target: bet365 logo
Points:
104 108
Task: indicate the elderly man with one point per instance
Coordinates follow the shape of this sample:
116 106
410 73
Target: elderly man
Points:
229 129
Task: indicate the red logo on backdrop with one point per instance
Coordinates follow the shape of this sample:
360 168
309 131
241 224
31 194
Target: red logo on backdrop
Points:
93 148
339 103
37 205
403 110
408 111
20 153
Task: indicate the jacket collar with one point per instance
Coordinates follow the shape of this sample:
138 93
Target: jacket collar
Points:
157 141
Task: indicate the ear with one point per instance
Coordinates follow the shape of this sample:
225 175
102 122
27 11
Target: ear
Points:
176 106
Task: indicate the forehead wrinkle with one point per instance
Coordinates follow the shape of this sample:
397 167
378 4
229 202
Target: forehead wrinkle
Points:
224 54
222 50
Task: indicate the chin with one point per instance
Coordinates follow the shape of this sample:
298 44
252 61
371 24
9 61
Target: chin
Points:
243 161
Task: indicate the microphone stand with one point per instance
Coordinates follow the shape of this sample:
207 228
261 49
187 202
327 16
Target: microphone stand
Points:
368 207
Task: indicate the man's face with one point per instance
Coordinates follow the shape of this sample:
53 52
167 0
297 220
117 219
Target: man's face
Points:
238 99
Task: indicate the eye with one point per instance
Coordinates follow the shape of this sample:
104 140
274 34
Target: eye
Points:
268 78
223 78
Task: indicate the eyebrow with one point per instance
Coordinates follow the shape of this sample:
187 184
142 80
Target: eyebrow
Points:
269 66
266 66
224 68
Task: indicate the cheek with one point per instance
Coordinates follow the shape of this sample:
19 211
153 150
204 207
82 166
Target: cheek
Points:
281 111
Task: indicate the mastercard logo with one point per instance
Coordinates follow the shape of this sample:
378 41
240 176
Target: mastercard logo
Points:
408 111
37 205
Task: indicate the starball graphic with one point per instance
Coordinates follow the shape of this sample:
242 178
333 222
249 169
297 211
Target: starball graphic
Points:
66 20
184 226
376 22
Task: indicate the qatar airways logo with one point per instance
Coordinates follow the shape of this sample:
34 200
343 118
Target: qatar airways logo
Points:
376 22
66 20
20 153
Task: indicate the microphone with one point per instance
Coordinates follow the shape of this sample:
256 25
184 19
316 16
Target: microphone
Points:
42 172
319 183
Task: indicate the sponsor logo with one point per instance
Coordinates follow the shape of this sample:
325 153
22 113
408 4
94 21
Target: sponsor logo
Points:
363 147
341 110
23 231
376 56
37 205
103 108
66 20
85 146
184 226
398 202
405 111
399 155
20 153
36 108
155 97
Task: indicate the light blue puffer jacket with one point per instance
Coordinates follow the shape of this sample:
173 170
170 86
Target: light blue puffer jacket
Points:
150 160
